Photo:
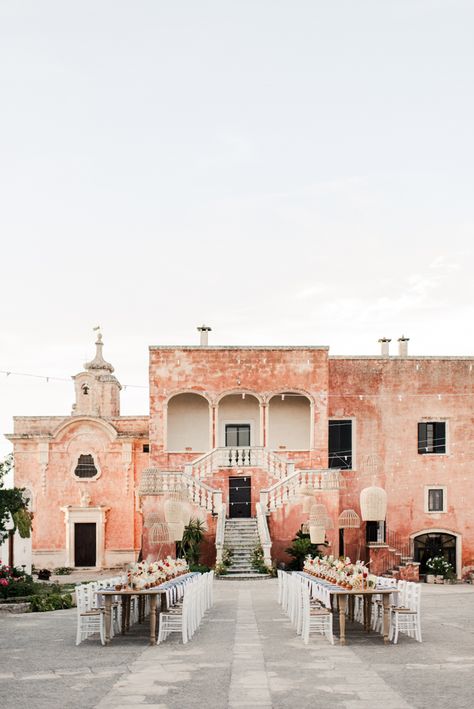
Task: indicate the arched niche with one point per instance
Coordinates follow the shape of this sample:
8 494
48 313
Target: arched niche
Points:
289 421
235 414
188 423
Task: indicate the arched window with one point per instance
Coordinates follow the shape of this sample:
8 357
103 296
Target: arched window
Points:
85 389
85 467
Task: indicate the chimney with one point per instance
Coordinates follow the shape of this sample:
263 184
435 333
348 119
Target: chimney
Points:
204 330
403 346
385 345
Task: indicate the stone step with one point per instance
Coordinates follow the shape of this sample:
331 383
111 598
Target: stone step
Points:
252 576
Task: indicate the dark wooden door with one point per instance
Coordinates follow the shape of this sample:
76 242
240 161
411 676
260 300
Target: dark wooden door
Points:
240 497
85 544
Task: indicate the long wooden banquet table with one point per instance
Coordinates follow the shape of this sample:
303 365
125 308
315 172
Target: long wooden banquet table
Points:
126 594
345 596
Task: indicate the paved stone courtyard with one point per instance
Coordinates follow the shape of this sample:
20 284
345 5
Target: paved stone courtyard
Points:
245 654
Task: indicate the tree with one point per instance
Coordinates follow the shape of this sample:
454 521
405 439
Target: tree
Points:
12 504
192 537
300 548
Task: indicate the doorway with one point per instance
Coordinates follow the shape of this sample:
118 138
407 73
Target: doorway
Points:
240 497
426 546
85 551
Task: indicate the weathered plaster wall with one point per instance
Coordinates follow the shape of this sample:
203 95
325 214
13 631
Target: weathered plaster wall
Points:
387 398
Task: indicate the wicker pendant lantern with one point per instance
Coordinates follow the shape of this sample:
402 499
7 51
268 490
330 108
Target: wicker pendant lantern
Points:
373 504
176 531
317 534
320 517
349 519
173 511
186 513
151 519
160 533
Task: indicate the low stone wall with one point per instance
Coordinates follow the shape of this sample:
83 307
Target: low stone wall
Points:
14 607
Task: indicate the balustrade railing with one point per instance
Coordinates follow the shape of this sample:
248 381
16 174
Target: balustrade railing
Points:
284 490
157 482
240 457
264 534
220 532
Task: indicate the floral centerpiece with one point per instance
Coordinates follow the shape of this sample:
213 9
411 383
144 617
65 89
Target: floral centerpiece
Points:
144 575
341 572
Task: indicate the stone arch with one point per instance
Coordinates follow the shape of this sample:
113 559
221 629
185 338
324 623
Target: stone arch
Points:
239 392
188 422
239 406
105 427
289 420
442 530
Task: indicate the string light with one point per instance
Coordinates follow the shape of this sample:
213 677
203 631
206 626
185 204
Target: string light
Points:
344 395
48 378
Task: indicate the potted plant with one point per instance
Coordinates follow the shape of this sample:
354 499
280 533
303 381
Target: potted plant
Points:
438 567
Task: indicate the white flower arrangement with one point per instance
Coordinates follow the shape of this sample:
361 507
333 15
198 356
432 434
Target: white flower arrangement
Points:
340 571
144 574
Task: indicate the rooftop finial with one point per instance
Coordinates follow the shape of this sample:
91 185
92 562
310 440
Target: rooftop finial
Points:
99 362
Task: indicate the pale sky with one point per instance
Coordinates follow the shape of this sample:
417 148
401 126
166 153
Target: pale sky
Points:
288 172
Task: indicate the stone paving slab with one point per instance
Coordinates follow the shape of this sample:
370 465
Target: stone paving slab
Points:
245 654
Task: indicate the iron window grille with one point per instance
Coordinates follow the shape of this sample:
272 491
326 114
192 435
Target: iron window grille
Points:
85 467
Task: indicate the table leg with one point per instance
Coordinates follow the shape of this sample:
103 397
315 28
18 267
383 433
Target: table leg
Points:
141 608
351 608
108 617
153 619
386 616
127 614
124 613
342 602
367 613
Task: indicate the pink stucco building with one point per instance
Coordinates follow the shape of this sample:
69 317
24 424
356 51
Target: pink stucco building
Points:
248 432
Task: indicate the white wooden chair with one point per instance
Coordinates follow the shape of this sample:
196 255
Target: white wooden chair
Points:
316 618
405 617
90 620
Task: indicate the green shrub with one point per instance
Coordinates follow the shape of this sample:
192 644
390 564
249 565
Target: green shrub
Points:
51 602
300 548
257 561
221 569
63 571
24 587
227 555
201 568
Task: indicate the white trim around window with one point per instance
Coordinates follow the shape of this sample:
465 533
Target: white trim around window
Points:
353 434
426 499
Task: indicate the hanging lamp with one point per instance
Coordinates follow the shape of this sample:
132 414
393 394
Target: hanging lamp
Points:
349 519
373 504
317 534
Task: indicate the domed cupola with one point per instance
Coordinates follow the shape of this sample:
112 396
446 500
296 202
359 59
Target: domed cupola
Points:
97 390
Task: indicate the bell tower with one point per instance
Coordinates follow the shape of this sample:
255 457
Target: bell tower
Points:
97 390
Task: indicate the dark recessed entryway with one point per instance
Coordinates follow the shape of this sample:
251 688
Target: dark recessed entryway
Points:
85 544
426 546
240 497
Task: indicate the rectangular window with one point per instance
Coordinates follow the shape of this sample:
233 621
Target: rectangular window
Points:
340 444
237 434
432 437
436 500
146 447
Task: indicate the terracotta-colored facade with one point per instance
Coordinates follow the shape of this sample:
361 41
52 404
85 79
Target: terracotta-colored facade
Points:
278 399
